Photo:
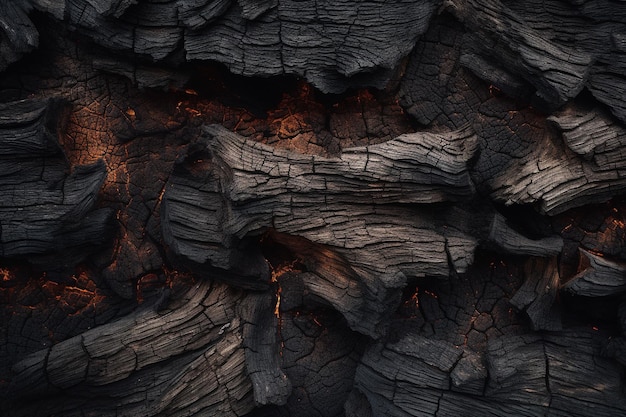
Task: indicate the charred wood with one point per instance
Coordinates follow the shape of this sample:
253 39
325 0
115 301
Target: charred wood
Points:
312 208
187 359
528 375
46 210
233 189
599 277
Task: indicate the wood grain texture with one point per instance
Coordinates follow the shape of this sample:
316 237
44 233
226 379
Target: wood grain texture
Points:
521 159
45 212
600 277
186 359
344 212
18 36
260 337
527 375
326 42
538 293
313 208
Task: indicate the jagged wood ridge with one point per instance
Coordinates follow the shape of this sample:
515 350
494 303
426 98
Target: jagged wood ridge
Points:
336 45
485 331
338 215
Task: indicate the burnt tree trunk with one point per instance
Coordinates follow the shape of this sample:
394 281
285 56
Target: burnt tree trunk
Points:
312 208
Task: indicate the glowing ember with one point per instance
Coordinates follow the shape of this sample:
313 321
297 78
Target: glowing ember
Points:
131 114
494 91
5 275
143 282
277 306
276 274
414 300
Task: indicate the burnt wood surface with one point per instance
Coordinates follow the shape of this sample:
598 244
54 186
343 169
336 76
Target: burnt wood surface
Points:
312 208
47 210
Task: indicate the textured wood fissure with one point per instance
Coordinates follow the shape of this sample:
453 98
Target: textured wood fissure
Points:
314 208
354 231
198 338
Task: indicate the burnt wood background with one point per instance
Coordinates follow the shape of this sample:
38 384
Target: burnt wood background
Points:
312 208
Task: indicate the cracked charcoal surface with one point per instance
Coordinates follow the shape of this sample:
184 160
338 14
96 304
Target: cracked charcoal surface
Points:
353 208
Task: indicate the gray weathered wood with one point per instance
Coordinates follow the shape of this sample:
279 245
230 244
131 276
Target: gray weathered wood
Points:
507 239
45 211
527 375
185 359
560 180
599 277
261 343
18 35
522 159
585 49
249 188
557 71
317 40
344 210
408 282
252 9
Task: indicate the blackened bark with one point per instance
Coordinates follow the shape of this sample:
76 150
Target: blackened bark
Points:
313 208
47 213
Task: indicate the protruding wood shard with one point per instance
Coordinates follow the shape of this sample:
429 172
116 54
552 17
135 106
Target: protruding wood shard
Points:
585 164
556 71
18 35
508 240
537 294
600 277
261 344
413 168
234 188
252 9
337 215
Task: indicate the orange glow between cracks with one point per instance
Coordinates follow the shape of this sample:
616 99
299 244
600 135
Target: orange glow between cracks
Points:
276 274
6 274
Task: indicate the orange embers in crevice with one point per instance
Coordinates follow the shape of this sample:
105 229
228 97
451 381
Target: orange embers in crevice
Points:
277 272
303 120
6 275
52 309
150 286
75 295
